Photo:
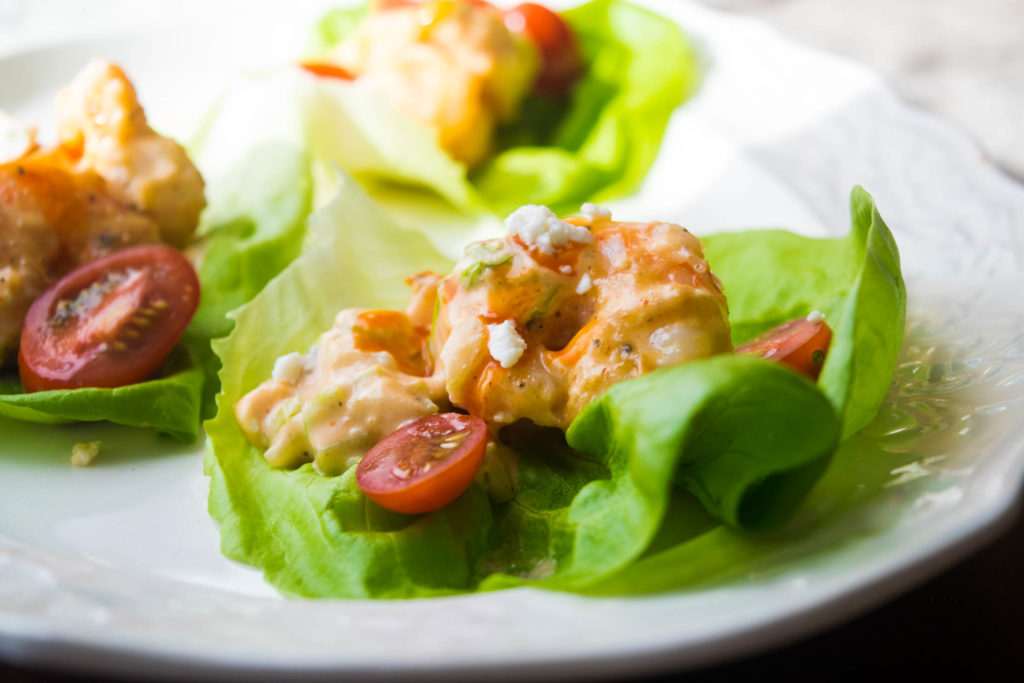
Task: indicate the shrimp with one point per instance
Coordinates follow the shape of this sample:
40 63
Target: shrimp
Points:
99 114
539 323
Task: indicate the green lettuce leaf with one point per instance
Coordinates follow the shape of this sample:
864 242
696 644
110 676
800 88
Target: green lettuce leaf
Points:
169 404
655 465
254 226
747 437
855 281
598 145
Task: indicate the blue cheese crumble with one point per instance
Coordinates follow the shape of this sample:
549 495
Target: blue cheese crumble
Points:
505 344
539 227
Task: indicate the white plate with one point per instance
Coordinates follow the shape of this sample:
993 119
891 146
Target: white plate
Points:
115 568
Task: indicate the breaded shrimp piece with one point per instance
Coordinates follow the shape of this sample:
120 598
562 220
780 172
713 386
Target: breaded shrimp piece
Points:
539 323
99 114
53 220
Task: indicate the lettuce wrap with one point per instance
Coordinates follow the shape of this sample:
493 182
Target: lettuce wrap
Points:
596 145
655 467
253 227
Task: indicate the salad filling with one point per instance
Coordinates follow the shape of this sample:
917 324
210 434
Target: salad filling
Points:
628 498
532 326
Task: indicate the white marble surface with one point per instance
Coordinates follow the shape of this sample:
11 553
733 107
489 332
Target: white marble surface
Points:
961 59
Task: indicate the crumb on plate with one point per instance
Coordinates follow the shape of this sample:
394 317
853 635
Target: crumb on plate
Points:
82 454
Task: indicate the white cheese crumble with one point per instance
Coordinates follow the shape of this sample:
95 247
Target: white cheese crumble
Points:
816 317
565 270
289 368
82 454
593 211
504 343
539 227
585 284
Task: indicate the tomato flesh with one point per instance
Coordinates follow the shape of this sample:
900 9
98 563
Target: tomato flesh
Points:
110 322
560 56
801 344
425 464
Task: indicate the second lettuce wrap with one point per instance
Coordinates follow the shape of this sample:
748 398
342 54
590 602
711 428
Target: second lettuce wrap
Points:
598 145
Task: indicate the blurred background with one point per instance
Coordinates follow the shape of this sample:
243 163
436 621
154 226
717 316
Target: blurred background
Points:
963 59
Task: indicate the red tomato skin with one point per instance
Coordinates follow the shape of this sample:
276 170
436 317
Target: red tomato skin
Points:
801 344
421 491
560 55
154 304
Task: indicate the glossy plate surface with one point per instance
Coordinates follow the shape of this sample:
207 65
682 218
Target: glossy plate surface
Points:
115 568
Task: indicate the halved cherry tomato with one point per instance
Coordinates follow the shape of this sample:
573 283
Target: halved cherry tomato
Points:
327 70
800 344
553 37
425 465
110 322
